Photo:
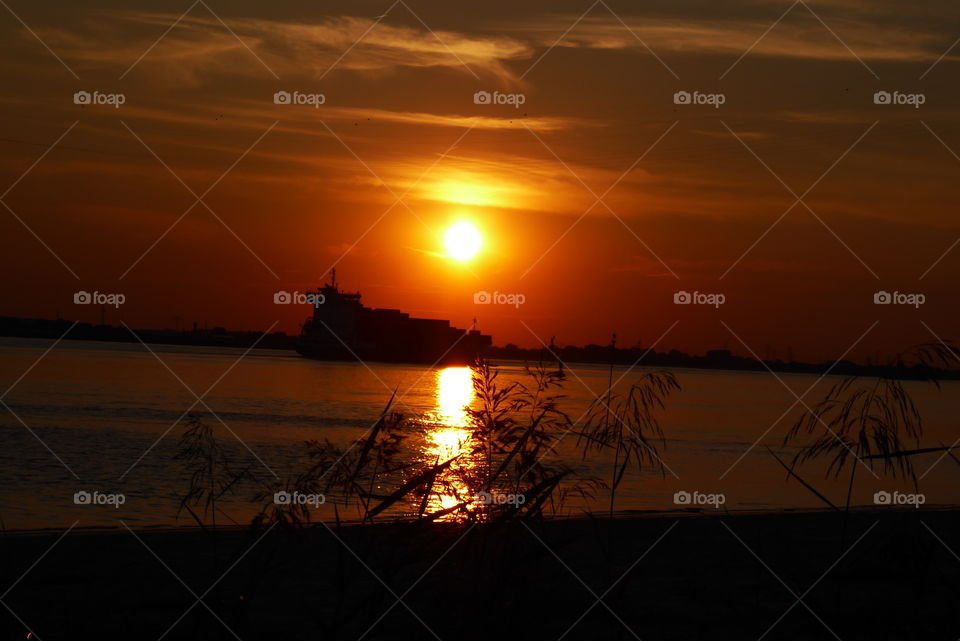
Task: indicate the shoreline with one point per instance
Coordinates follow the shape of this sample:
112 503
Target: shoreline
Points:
599 355
619 516
874 574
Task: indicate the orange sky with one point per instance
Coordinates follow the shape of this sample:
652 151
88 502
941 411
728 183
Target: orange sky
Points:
699 197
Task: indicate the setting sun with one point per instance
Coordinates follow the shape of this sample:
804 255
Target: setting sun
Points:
462 241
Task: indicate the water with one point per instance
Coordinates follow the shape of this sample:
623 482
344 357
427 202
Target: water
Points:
106 417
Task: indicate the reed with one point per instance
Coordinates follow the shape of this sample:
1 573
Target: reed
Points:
213 474
628 424
869 421
507 467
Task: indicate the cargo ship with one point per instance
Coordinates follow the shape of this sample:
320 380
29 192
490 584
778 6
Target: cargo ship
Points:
343 329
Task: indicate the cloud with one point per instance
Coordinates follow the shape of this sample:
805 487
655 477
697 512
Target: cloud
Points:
543 124
202 42
797 36
307 121
748 135
382 46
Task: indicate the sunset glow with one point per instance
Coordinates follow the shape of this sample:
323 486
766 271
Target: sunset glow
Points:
514 303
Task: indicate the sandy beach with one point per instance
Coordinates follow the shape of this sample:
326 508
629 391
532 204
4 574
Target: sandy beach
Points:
684 576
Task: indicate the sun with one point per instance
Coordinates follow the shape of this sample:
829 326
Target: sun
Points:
462 241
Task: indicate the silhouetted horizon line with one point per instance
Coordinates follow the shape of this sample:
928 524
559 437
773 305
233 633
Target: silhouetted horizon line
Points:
592 353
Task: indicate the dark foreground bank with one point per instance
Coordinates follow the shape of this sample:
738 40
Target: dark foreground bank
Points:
771 576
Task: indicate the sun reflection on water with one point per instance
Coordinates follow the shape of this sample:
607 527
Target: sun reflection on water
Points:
454 392
447 431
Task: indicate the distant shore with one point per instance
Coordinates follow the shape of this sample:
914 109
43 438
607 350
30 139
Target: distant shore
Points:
589 354
717 576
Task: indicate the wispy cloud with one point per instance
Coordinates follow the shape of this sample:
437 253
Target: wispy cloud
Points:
797 36
201 40
306 121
